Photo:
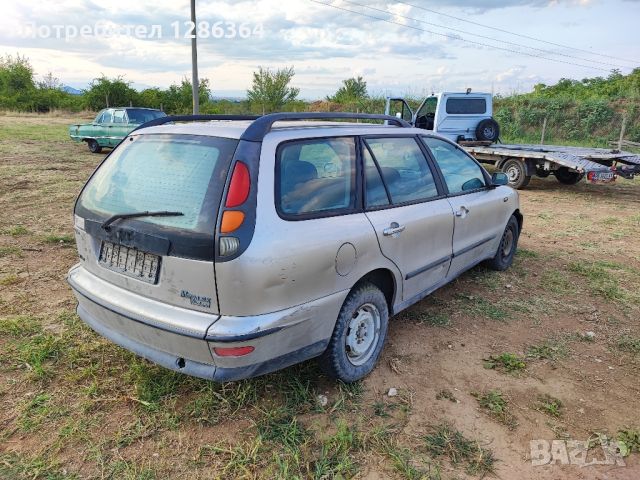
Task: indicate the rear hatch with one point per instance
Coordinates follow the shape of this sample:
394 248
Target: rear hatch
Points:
146 219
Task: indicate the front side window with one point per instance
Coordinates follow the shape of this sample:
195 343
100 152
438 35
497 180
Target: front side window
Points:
404 169
461 173
99 117
107 116
316 176
183 173
429 106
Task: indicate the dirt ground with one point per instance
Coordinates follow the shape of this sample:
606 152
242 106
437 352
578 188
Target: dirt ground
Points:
548 350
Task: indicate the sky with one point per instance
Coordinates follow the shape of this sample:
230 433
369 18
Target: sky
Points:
399 48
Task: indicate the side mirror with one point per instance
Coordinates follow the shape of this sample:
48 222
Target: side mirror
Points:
499 178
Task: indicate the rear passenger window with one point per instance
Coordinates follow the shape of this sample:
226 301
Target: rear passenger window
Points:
316 176
375 193
404 169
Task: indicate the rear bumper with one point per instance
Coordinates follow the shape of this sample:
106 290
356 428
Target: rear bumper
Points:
149 329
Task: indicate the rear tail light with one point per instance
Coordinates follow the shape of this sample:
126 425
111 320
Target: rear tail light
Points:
239 186
233 351
231 221
237 194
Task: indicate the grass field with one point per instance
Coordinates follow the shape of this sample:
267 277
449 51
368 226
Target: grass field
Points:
547 350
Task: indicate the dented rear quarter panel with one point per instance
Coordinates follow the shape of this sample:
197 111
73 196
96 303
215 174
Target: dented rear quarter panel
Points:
289 263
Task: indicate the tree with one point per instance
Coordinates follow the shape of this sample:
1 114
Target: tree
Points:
179 99
16 83
49 82
270 90
104 92
352 90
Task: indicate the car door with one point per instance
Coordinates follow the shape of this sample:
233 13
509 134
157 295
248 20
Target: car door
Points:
405 204
119 128
479 210
103 129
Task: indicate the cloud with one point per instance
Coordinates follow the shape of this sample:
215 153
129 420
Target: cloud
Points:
324 44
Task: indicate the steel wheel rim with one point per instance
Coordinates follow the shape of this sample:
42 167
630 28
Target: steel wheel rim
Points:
513 173
363 332
507 242
488 132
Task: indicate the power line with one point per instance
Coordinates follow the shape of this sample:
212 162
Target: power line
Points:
517 34
455 37
549 52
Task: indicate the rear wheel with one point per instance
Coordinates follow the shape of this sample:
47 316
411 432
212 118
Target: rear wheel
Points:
507 248
516 170
94 146
542 173
567 177
358 336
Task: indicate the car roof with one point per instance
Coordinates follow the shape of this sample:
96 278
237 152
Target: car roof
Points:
235 128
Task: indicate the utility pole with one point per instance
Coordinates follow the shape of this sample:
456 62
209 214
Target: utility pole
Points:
194 62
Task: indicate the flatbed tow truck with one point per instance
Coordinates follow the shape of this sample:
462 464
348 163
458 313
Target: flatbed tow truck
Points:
466 118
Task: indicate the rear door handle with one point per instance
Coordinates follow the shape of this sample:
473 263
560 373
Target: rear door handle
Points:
394 229
462 212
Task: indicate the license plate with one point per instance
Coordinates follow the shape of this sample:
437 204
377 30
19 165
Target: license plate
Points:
601 177
130 261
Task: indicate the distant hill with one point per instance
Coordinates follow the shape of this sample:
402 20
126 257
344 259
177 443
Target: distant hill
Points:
71 90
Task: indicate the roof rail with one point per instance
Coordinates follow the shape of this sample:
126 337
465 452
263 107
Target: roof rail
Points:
260 127
192 118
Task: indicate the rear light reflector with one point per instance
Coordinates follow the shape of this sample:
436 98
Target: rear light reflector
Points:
231 221
228 246
233 351
239 186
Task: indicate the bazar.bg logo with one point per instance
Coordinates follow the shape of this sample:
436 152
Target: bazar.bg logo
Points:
598 451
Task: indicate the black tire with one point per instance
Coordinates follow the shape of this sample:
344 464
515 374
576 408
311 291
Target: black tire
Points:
488 130
567 177
94 146
516 170
507 248
542 173
347 364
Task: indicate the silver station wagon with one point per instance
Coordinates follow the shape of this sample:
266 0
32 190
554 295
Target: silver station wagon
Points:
228 247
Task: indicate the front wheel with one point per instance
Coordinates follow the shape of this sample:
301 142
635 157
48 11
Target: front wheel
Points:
508 246
358 336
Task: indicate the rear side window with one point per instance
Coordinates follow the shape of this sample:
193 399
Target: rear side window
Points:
139 115
461 172
183 173
316 177
466 106
404 169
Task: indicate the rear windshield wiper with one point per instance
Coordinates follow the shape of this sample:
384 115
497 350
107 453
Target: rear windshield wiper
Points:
123 216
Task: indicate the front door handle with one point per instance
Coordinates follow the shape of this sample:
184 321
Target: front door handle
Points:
462 212
394 229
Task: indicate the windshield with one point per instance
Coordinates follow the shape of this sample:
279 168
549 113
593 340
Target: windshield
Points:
183 173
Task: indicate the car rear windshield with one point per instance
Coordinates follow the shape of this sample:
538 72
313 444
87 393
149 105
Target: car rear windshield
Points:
177 173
